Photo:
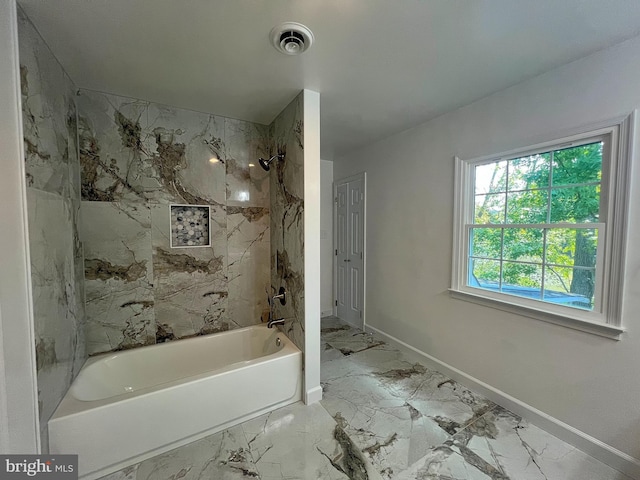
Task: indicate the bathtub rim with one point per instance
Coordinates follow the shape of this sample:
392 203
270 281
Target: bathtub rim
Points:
71 406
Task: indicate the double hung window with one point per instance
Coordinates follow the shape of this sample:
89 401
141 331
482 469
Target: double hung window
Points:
542 228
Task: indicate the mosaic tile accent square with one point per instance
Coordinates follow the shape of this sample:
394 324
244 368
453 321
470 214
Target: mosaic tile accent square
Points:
190 226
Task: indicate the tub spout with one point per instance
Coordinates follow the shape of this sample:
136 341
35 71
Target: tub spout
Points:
275 321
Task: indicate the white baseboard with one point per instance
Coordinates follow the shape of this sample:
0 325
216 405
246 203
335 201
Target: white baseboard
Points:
582 441
313 395
326 313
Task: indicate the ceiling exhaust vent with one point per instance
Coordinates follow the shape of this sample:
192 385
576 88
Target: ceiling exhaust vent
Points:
291 38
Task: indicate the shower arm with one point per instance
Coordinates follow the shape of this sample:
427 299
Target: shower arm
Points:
266 164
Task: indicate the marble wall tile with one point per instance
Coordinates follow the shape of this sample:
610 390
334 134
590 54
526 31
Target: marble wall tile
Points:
58 306
49 114
247 182
190 289
53 200
113 164
249 269
118 275
80 291
73 148
180 144
139 153
287 218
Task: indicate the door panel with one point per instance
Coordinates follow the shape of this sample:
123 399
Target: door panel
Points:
342 220
355 234
349 250
342 271
342 285
354 294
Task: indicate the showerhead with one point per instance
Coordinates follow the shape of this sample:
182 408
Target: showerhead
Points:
266 163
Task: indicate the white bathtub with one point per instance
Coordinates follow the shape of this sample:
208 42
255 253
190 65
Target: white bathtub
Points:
127 406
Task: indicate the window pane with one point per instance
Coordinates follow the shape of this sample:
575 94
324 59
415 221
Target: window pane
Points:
524 244
491 177
572 246
560 246
484 274
576 249
523 280
561 285
574 165
529 206
485 242
530 172
575 204
489 209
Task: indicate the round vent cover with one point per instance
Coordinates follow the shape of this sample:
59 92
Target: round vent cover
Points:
291 38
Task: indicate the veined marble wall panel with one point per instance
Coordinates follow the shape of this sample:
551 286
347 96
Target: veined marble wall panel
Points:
180 144
247 182
48 114
109 132
287 218
53 201
249 267
190 283
118 275
138 153
58 310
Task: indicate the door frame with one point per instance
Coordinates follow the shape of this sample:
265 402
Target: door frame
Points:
358 176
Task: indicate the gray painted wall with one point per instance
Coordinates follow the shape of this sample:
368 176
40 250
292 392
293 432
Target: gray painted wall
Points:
326 237
588 382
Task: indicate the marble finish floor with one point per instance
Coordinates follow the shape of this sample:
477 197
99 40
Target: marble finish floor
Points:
381 417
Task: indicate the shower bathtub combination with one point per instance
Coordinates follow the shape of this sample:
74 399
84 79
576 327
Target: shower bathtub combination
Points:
127 406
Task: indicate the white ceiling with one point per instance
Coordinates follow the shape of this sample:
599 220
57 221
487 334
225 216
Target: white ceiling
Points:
381 66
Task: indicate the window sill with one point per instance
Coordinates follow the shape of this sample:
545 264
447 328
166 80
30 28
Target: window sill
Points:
600 329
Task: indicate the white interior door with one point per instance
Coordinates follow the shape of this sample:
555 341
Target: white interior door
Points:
349 249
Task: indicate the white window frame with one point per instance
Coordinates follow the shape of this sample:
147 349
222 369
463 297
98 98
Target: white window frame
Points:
605 319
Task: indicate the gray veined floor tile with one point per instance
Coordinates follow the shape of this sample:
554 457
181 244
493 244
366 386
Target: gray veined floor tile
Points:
349 340
445 401
328 353
304 442
502 446
380 358
434 395
327 324
332 330
222 456
128 473
389 431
